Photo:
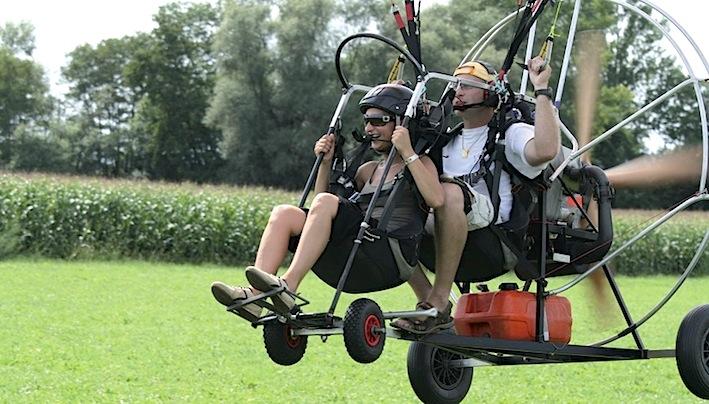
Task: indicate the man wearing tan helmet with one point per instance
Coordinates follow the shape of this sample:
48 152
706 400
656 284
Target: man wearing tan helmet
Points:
468 205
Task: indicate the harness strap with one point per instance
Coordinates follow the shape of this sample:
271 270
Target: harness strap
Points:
388 206
367 198
467 198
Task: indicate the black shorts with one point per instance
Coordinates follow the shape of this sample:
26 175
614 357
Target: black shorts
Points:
345 225
481 261
375 265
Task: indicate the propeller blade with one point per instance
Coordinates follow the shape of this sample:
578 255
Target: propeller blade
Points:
591 44
683 165
588 79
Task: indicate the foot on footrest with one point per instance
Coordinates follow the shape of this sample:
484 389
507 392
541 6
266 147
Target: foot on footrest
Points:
229 295
283 301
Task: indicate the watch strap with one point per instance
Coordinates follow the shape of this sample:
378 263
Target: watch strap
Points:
549 92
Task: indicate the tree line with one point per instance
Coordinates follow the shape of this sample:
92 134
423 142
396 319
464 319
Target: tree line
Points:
238 92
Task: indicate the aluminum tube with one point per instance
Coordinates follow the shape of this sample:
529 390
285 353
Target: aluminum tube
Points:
668 296
567 54
681 29
697 88
491 32
527 56
629 119
415 97
344 99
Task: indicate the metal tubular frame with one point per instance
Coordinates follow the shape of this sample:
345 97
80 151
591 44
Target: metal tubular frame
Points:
600 138
344 99
481 44
527 56
486 351
567 54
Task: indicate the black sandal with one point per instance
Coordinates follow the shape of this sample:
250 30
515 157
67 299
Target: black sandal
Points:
427 325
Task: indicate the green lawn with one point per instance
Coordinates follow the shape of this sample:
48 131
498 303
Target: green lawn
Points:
136 331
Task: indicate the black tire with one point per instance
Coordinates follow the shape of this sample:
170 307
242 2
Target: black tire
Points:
432 379
363 343
692 351
281 347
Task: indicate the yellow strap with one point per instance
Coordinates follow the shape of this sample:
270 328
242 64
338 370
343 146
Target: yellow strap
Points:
397 70
545 51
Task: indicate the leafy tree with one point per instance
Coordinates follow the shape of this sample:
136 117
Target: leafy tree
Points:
24 97
39 149
106 105
18 38
173 71
275 89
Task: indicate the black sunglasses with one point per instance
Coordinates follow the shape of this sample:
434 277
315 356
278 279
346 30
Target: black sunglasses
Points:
378 120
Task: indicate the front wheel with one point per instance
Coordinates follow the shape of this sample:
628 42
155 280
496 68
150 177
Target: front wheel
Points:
363 330
433 377
283 347
692 351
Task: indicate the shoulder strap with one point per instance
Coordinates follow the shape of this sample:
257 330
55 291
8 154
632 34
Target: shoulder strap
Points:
394 195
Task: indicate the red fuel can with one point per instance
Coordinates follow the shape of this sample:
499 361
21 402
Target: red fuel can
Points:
511 314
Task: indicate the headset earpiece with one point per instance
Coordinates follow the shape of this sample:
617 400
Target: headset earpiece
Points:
491 99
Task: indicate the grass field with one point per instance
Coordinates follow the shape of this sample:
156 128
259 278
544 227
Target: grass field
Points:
146 332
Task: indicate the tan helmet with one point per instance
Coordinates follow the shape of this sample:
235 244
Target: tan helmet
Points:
477 69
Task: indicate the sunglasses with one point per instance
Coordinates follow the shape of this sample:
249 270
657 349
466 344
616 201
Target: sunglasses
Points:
470 84
378 120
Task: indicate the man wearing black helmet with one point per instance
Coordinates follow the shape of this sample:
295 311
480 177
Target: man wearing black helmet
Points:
333 218
468 205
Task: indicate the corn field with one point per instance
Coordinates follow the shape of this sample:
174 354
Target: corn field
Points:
67 217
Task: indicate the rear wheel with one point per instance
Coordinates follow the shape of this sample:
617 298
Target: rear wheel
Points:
433 377
283 347
692 351
363 330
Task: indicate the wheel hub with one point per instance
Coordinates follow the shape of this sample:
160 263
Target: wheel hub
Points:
370 325
445 375
292 341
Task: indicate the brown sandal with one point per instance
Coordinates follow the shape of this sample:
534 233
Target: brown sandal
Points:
427 325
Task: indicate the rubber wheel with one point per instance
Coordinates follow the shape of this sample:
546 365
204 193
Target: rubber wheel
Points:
363 342
281 347
431 376
692 351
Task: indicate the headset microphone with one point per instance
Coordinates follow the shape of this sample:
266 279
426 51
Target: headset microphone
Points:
465 107
370 137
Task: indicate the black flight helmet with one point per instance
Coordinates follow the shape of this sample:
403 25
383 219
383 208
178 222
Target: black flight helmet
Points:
391 98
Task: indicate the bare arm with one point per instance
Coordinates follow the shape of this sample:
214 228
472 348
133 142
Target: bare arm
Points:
547 139
423 170
426 176
326 145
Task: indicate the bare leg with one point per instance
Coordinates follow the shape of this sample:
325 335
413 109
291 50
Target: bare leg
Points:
451 228
420 284
313 240
285 221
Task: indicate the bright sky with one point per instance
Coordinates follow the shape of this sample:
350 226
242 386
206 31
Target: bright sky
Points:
60 26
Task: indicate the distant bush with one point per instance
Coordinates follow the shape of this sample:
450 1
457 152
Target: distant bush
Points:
667 250
65 217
